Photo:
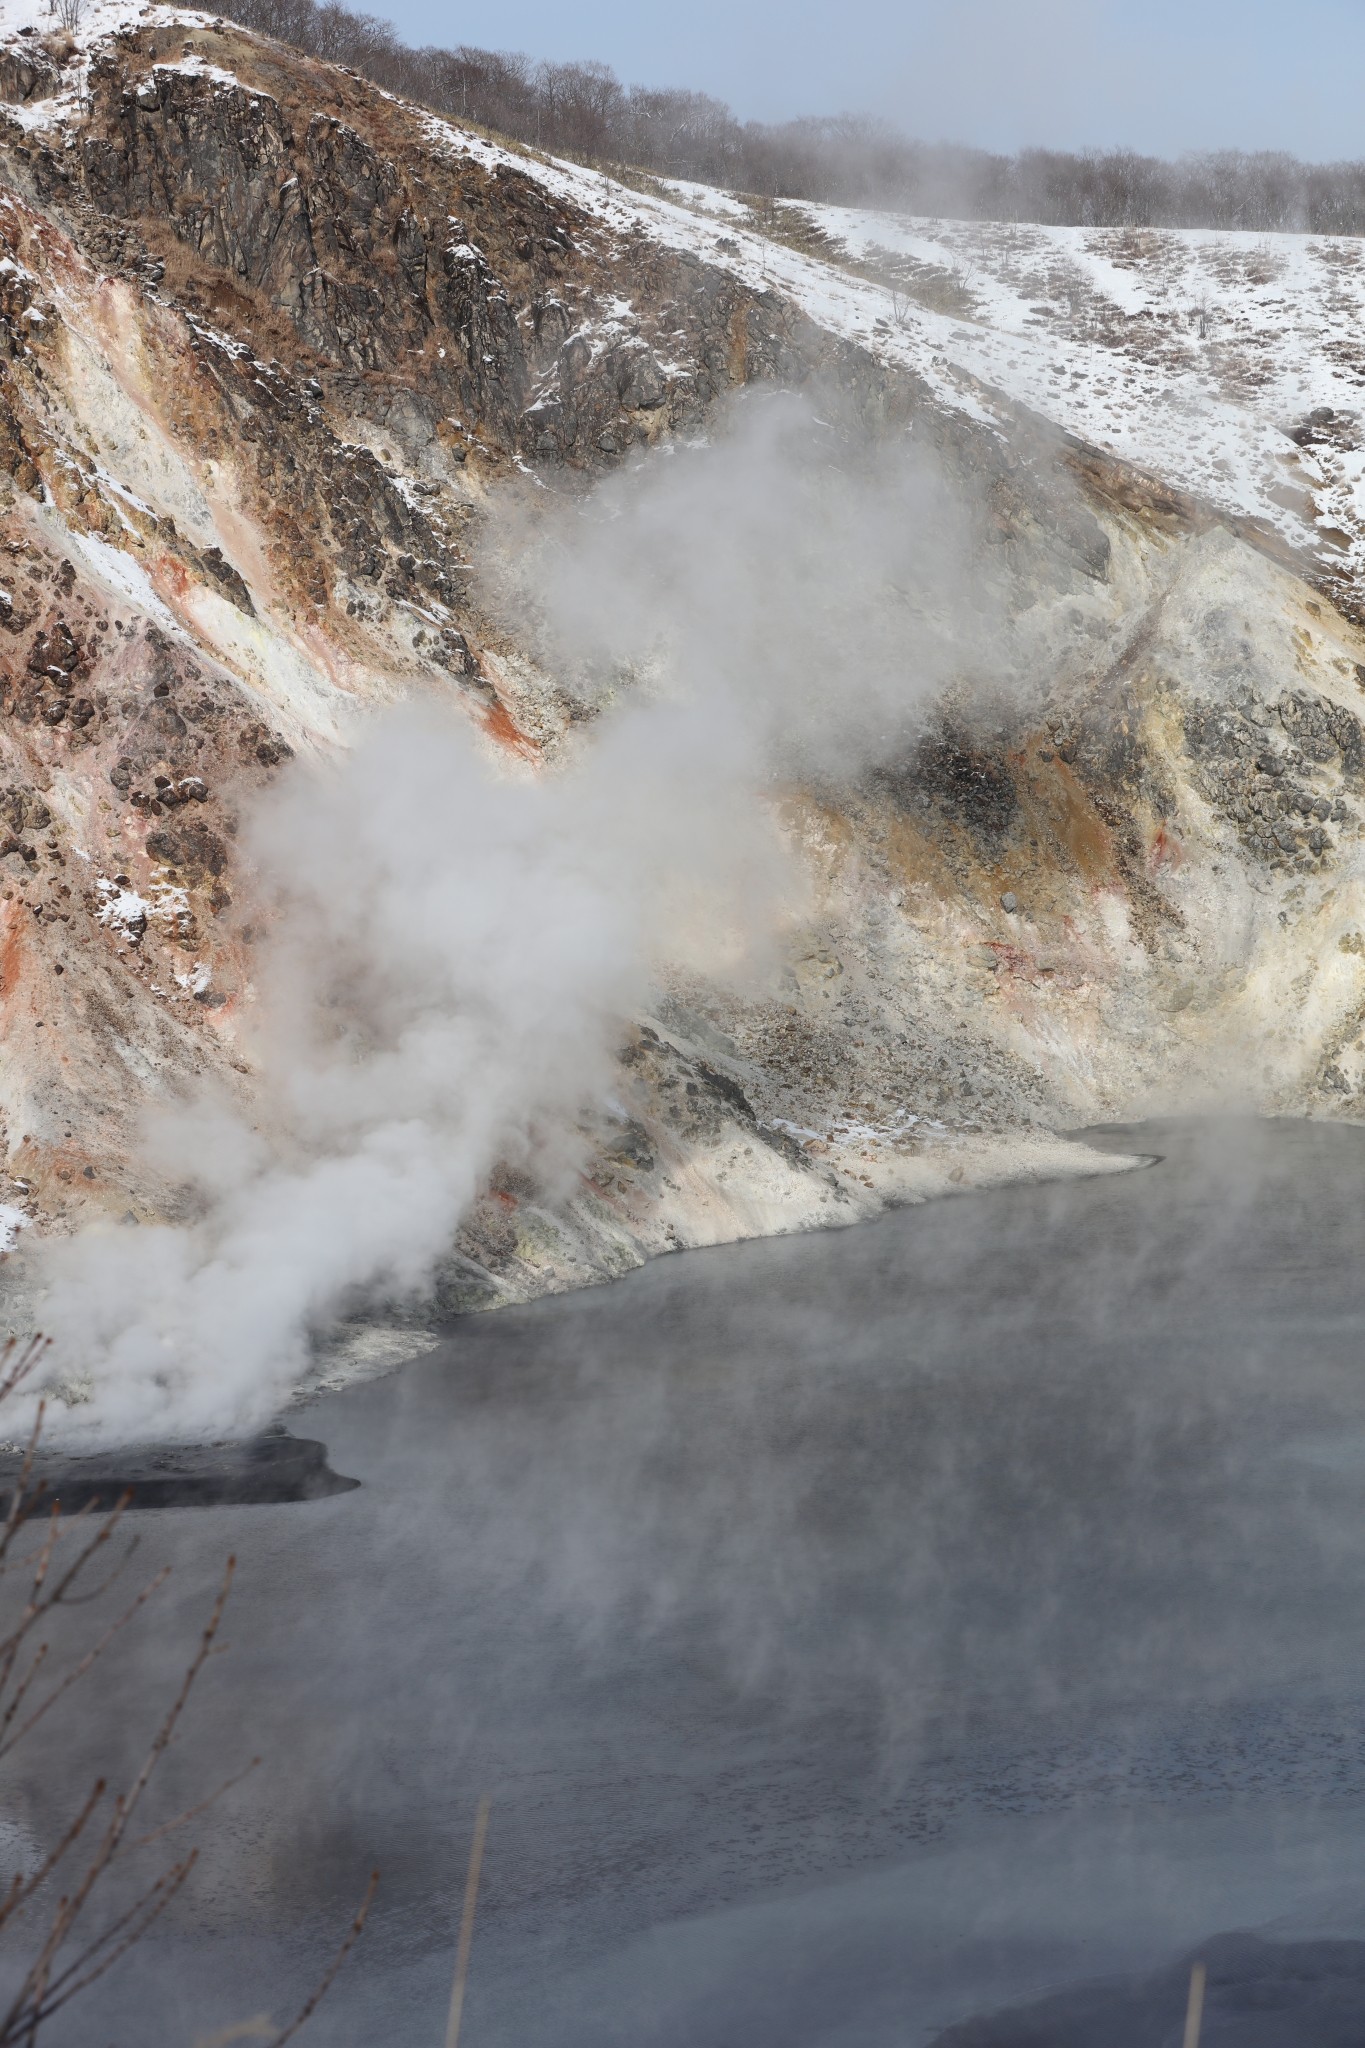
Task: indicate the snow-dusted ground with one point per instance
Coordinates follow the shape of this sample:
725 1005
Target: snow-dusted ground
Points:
1189 352
1192 353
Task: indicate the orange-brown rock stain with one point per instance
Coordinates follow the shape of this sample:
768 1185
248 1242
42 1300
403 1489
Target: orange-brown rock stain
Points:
1164 850
500 726
12 952
1054 803
913 858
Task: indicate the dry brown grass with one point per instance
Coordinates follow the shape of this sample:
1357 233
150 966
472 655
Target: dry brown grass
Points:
234 305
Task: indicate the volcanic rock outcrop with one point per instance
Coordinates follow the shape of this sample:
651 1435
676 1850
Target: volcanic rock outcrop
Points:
272 344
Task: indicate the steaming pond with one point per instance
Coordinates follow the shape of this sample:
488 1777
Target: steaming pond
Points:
853 1632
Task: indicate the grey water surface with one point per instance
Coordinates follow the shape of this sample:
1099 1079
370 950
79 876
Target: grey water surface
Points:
853 1632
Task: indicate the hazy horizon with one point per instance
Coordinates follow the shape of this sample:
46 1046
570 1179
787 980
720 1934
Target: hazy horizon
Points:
1066 75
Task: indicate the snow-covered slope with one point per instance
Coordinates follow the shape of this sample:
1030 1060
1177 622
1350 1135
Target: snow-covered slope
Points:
1231 364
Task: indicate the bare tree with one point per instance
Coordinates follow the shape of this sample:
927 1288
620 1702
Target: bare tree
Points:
53 1560
848 159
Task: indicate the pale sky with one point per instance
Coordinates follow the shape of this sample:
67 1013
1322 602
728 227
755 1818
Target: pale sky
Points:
1162 76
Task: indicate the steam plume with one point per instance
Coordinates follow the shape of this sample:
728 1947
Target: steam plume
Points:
454 951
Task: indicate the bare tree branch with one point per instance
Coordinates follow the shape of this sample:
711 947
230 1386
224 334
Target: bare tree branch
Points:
190 1813
78 1670
98 1592
47 1987
22 2018
41 1603
19 1890
338 1959
15 1514
168 1884
21 1689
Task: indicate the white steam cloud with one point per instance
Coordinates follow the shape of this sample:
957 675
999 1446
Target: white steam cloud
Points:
811 591
454 951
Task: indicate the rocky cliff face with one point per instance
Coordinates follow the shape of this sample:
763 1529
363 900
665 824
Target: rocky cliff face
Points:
272 345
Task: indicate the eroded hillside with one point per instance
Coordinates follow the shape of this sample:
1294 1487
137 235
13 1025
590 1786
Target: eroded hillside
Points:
275 349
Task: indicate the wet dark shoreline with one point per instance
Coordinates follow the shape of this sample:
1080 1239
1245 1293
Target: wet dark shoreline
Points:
267 1469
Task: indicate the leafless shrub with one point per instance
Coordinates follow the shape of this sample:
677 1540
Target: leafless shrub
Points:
55 1569
69 14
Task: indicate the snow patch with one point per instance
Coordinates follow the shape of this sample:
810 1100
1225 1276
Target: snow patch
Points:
123 909
121 573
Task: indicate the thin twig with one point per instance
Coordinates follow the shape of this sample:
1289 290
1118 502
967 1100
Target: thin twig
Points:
190 1813
338 1959
471 1893
172 1879
1194 2009
28 2001
9 1648
25 1682
63 1531
163 1735
97 1541
11 1376
23 1362
98 1592
46 1988
18 1498
78 1670
39 1603
19 1890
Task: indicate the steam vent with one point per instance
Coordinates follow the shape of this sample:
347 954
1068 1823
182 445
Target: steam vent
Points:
556 711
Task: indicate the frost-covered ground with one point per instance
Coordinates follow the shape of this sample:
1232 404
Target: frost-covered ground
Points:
1193 353
1198 354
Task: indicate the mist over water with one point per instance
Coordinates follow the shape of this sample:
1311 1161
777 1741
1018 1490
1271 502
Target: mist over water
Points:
852 1633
